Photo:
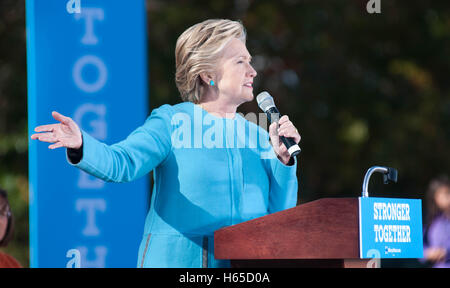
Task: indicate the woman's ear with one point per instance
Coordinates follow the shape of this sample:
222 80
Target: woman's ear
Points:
206 78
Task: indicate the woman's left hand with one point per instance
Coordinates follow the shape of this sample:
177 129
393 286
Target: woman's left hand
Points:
285 128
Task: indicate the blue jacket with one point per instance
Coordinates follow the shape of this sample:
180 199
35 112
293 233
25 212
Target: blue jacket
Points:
209 173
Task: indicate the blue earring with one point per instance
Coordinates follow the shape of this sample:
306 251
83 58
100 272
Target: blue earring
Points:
211 83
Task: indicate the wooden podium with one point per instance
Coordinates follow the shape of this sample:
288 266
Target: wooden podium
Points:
321 233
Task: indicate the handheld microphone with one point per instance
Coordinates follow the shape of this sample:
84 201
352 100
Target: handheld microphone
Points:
265 102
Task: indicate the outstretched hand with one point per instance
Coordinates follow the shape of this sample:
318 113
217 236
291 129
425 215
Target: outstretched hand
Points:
64 134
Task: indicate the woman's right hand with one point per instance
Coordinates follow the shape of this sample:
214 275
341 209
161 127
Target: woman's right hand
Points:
64 134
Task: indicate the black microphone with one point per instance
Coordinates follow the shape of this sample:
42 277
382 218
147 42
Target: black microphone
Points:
265 102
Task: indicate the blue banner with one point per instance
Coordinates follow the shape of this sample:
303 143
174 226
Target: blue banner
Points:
87 60
390 228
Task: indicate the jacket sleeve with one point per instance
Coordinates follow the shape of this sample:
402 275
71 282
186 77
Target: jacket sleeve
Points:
283 181
144 149
283 186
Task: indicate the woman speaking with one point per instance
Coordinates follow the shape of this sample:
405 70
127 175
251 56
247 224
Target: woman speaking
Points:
208 171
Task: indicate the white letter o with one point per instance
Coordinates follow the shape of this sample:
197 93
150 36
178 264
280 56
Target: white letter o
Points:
102 74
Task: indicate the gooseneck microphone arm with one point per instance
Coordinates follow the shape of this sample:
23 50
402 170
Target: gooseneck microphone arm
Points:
390 175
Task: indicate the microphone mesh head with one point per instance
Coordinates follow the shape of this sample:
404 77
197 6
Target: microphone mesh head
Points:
265 101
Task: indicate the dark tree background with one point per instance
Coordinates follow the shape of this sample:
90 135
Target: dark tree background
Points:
363 89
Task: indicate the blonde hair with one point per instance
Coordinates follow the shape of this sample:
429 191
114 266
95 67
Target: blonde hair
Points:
198 50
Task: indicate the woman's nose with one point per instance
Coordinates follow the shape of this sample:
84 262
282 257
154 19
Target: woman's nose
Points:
252 72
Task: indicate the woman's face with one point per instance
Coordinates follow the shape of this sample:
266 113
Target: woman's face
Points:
235 74
442 198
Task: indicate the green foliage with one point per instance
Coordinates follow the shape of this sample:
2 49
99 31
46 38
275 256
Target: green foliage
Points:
363 89
13 122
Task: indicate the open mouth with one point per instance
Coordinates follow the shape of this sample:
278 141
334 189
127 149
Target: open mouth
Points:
249 85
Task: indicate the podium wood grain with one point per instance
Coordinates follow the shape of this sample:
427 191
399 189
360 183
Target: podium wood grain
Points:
322 230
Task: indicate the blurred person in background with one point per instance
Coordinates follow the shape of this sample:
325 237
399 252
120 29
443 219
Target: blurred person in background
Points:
6 231
437 231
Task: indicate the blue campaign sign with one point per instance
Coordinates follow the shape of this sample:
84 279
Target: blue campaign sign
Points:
87 60
390 228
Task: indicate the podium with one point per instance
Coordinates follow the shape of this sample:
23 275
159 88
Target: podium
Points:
329 232
321 233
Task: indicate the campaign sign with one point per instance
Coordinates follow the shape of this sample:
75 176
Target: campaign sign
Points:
86 60
390 228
